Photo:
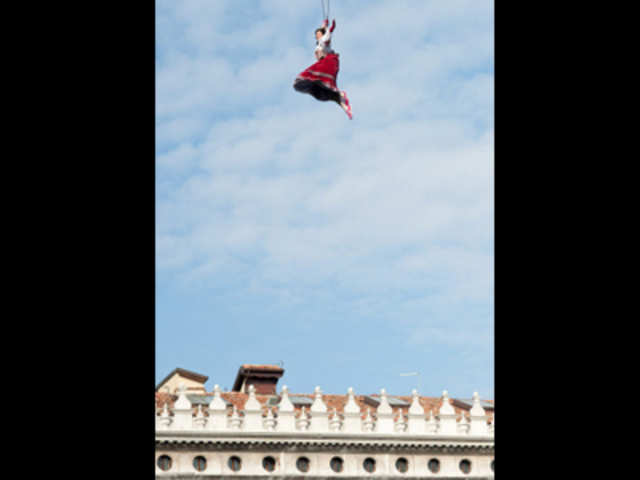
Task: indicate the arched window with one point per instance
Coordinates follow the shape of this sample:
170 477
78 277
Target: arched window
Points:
465 466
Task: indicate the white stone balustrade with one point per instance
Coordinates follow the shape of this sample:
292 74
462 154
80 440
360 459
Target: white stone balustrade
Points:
256 418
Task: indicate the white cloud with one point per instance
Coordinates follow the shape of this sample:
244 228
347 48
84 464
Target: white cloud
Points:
391 212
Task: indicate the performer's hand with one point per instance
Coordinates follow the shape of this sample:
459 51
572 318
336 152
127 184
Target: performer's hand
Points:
333 25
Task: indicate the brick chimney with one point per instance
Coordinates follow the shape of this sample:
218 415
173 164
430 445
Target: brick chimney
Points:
263 377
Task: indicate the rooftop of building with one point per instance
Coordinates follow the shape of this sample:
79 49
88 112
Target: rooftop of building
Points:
302 400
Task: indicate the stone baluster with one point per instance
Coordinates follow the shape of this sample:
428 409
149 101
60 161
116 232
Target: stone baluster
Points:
182 411
217 411
200 421
446 416
416 415
492 429
302 422
478 416
286 413
368 425
335 424
400 425
235 422
164 420
252 412
270 421
463 425
432 426
385 414
352 421
319 414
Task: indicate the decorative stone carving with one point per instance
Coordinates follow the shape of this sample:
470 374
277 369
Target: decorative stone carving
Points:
335 423
235 422
252 412
165 420
400 425
478 418
200 421
385 414
269 422
302 423
447 416
352 422
319 417
286 416
416 420
217 411
182 411
368 424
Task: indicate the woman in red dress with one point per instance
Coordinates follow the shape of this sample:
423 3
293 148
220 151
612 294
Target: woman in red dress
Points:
319 80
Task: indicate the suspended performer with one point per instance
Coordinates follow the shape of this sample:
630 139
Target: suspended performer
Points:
319 80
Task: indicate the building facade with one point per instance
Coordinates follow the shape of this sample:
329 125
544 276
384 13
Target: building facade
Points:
246 434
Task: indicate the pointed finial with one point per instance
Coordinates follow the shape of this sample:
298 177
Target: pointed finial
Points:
416 407
476 409
351 406
285 404
384 408
183 402
446 407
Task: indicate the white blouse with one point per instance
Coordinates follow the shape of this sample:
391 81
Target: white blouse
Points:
323 46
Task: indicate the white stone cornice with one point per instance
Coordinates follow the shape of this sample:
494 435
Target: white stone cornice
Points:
302 436
313 442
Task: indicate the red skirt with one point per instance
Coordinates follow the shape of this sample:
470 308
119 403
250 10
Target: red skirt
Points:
320 79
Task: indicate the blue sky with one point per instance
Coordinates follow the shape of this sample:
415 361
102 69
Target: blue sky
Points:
352 251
